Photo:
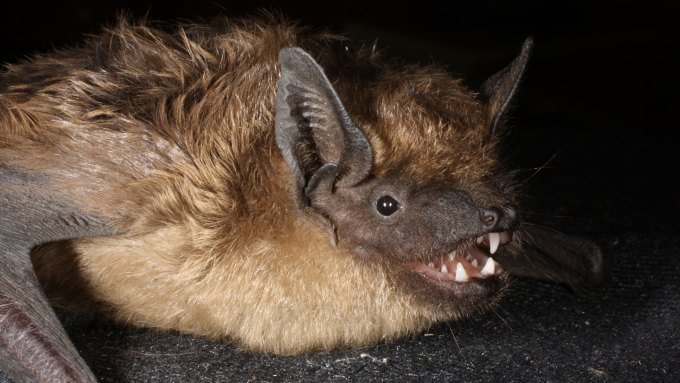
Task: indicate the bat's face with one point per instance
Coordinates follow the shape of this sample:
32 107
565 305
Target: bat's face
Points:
440 238
416 187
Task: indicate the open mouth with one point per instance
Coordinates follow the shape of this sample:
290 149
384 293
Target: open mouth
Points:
469 262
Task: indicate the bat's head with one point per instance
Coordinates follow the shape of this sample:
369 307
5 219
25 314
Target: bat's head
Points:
404 172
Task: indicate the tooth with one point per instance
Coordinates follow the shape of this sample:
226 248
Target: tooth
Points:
431 265
444 269
480 239
474 263
494 241
489 267
461 275
452 255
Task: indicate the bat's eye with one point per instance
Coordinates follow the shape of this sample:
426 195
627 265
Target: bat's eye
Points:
387 205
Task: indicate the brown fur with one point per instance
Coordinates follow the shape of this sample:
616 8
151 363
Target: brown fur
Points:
210 240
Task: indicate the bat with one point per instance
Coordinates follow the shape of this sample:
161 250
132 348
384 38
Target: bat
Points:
250 180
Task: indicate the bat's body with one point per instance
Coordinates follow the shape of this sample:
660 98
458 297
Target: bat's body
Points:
219 182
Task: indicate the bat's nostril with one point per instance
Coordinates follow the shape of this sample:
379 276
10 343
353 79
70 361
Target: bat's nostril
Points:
490 217
496 218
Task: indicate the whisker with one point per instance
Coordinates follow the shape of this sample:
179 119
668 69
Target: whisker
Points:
543 227
545 165
529 213
501 318
460 351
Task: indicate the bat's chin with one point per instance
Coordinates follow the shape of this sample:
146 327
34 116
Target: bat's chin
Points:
467 270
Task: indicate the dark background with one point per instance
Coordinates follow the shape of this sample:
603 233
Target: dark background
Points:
594 114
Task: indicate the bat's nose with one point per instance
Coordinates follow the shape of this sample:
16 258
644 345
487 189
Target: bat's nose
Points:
495 218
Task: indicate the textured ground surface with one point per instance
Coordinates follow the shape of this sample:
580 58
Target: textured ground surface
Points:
599 98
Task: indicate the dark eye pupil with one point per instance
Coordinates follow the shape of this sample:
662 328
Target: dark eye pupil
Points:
387 205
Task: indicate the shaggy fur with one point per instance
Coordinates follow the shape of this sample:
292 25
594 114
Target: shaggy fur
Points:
211 242
172 135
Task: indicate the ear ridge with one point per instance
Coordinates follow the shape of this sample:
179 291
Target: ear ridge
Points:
319 189
321 182
500 88
307 106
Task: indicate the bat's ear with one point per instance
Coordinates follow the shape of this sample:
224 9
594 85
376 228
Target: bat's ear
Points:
318 139
500 88
556 257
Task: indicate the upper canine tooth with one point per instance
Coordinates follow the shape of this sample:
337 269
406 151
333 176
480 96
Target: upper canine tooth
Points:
461 274
494 241
489 268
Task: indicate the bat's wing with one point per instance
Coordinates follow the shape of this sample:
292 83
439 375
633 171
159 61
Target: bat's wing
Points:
33 344
55 183
552 256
